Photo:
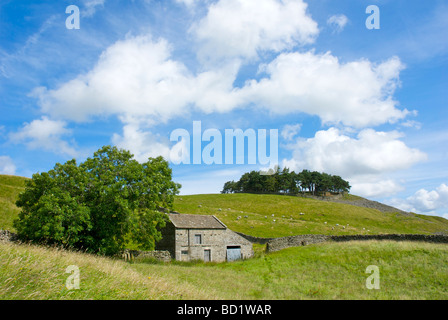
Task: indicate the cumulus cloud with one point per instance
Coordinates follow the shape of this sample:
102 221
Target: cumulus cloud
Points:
134 76
337 22
241 28
357 93
137 77
374 186
371 152
7 165
45 134
363 160
424 201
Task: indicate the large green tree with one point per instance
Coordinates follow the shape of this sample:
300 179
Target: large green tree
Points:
101 205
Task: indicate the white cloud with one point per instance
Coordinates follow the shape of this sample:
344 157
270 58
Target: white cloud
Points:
424 201
337 22
91 6
45 134
137 78
357 93
371 152
241 28
412 124
290 131
188 3
363 161
7 165
142 144
371 187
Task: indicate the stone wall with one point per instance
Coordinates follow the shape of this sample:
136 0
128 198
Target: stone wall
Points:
254 239
303 240
168 241
277 244
395 237
214 240
161 255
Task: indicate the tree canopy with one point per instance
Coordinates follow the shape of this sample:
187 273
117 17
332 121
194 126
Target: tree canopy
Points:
284 181
102 205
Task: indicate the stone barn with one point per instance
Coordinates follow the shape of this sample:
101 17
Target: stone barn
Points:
202 237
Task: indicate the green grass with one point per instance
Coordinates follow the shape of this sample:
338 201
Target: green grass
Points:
288 221
407 270
10 187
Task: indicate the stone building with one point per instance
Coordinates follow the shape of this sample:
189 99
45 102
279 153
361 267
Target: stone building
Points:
202 237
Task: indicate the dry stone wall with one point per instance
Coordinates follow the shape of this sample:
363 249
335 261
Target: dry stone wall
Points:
295 241
161 255
277 244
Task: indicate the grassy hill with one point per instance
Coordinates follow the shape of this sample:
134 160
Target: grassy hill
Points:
279 216
323 271
10 187
272 215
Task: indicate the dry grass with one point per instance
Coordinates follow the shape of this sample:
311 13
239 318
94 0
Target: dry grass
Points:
34 272
409 270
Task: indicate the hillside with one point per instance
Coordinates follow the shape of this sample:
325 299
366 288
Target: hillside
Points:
278 216
274 215
10 187
322 271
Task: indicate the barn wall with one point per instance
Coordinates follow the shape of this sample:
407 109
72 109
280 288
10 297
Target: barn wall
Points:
215 240
168 241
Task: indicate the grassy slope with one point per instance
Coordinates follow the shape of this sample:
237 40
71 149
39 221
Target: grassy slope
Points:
324 271
33 272
10 187
288 221
286 210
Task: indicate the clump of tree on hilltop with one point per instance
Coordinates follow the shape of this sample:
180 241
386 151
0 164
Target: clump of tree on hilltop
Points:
287 182
103 205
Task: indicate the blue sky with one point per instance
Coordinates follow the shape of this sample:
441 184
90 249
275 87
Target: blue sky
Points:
369 105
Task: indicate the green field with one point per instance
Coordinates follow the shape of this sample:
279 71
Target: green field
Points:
325 271
256 213
10 187
407 270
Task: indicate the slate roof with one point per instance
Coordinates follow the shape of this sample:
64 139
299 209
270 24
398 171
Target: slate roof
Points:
195 221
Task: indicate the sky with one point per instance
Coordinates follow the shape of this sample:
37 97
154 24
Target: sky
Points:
340 88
